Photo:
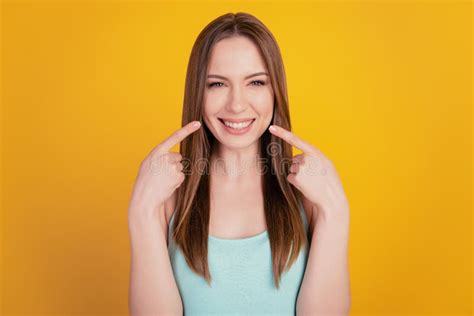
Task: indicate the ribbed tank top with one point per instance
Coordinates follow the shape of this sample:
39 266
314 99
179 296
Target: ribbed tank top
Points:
242 277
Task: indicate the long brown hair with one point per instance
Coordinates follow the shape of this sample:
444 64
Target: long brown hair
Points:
191 226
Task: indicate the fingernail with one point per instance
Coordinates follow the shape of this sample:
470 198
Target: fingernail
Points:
197 124
271 128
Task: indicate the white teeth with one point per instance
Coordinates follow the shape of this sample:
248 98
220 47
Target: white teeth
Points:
239 125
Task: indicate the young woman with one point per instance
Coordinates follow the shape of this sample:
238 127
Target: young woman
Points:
234 224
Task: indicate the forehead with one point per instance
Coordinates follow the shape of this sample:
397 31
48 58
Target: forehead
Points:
236 56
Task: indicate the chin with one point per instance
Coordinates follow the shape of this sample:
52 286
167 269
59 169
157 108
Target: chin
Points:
237 144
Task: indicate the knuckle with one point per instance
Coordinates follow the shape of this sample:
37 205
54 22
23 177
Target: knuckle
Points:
177 156
145 163
330 164
177 167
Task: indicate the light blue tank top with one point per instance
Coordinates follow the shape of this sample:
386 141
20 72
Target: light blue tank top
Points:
242 278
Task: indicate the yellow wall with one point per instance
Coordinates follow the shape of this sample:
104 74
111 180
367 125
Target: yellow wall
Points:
382 88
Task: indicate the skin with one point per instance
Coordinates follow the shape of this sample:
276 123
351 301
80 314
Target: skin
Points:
325 289
152 288
236 196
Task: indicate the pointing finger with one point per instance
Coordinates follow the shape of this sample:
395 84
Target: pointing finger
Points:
290 138
179 135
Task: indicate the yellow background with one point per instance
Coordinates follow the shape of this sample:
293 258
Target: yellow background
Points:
382 88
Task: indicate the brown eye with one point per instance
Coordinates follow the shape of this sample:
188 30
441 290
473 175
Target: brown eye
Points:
259 82
214 84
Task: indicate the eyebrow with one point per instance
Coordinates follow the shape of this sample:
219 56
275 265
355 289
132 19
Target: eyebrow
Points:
249 76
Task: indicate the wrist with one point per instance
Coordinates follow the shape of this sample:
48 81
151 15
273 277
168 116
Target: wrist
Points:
145 215
335 214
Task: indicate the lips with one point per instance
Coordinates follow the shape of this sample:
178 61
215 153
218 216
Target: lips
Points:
237 126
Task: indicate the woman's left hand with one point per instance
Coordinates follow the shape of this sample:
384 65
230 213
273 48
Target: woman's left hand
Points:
315 176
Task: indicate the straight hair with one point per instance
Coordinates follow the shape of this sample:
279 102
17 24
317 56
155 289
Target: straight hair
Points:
191 228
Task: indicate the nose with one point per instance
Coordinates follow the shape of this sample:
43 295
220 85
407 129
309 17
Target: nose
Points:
237 101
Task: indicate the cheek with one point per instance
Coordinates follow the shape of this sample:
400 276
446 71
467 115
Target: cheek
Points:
209 106
261 95
210 109
207 119
265 105
212 104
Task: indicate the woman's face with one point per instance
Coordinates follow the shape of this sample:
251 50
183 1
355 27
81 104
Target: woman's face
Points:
238 97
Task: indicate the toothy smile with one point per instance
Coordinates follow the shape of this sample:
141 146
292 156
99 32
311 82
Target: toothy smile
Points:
237 124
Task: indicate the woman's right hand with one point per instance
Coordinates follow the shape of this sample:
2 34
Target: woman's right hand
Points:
160 174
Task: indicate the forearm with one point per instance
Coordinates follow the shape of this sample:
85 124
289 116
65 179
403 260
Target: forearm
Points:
325 289
153 290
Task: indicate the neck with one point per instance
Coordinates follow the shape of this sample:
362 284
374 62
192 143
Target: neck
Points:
231 163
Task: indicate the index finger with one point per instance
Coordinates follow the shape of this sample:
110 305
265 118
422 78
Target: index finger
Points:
179 135
290 138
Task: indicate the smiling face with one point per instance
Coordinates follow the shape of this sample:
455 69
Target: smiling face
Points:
238 97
